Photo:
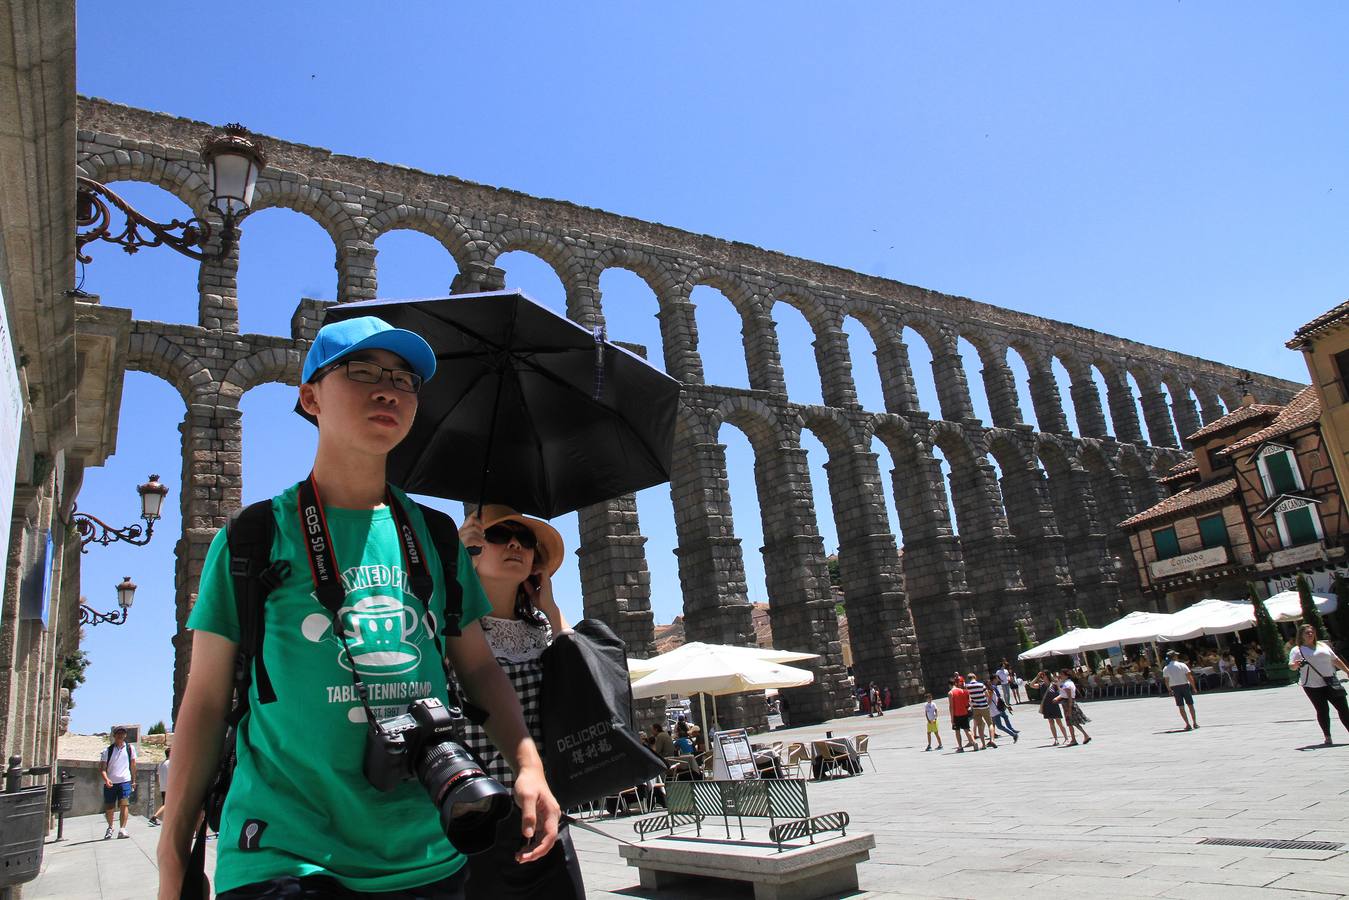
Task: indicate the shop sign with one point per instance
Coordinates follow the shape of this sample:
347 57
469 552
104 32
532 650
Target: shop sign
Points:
1294 555
1321 582
1188 562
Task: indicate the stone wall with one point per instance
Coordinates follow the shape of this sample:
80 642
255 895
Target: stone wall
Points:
1027 547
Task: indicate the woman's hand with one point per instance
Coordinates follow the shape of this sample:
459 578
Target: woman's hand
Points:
539 586
539 814
471 535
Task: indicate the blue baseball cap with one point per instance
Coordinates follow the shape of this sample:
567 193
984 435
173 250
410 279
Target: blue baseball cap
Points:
340 339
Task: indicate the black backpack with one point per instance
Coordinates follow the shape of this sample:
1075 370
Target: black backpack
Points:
250 533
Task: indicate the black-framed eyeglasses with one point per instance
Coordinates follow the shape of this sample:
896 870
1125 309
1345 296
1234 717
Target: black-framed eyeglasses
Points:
504 532
367 372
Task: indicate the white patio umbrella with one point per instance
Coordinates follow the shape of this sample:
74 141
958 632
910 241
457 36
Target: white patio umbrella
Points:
716 670
1285 606
1135 628
638 668
1063 645
1207 617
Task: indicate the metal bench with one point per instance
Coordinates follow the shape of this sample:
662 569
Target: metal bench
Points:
690 802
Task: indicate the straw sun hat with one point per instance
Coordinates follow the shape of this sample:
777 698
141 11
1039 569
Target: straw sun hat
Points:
550 550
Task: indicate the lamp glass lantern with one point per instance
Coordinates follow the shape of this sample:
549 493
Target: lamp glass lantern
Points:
232 166
152 498
126 592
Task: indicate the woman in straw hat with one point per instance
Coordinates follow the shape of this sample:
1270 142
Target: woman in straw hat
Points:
518 558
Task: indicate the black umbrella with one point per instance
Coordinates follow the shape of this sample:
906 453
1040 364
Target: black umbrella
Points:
526 408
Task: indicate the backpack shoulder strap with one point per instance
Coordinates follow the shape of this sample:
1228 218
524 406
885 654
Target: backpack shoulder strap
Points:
250 532
445 535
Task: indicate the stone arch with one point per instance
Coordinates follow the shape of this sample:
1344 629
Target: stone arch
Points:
646 266
308 200
157 355
828 345
545 246
948 380
759 423
447 230
759 341
831 427
263 366
178 178
1087 407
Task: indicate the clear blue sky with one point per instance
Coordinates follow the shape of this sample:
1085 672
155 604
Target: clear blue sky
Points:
1169 172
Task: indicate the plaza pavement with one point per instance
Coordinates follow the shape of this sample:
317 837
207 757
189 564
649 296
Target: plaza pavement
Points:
1119 818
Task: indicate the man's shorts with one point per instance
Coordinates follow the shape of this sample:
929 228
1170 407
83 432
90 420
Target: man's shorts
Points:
981 715
1184 694
932 727
961 723
120 792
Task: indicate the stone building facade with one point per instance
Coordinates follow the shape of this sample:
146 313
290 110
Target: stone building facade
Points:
1030 546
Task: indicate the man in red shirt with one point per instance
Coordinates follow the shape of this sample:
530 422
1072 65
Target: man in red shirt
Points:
959 698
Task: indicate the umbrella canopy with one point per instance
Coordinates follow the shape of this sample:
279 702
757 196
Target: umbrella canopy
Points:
527 408
712 670
638 668
1207 617
1063 645
1135 628
1286 607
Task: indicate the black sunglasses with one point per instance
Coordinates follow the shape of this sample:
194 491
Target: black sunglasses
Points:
505 532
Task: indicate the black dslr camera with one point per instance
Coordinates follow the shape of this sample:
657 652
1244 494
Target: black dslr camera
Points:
421 743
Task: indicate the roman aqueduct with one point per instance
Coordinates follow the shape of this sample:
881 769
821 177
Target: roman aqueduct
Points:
1030 545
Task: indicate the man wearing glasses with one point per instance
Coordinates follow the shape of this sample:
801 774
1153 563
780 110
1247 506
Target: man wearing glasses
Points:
300 818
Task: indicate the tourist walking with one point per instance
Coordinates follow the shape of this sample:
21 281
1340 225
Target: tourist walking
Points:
1180 680
930 711
117 764
958 700
161 776
1315 664
1049 706
1073 716
874 699
1002 712
1005 677
979 714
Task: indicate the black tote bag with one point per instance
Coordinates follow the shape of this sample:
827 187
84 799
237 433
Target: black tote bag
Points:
591 748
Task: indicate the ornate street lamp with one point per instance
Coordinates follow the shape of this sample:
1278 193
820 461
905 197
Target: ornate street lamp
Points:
93 529
233 162
126 594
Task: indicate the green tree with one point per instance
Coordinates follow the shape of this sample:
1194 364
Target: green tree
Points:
835 579
1339 619
72 669
1023 636
1276 662
1093 658
158 728
1310 614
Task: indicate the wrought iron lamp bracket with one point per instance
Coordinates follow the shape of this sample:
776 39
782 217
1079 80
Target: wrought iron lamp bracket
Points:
94 220
92 529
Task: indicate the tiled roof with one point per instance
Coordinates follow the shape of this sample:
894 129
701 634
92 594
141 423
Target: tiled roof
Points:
1238 416
1302 410
1325 320
1185 500
1186 468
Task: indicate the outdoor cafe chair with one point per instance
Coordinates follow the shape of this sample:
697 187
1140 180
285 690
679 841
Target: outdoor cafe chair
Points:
862 744
830 757
798 756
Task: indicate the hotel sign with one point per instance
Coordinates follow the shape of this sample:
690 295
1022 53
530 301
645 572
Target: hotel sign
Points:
1189 562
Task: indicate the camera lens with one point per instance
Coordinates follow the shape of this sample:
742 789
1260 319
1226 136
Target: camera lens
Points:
471 803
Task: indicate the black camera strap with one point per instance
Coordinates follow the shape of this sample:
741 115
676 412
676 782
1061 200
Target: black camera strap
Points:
323 566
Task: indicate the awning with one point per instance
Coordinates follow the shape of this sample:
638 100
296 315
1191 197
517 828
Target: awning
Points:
1208 617
1285 606
1135 628
1063 645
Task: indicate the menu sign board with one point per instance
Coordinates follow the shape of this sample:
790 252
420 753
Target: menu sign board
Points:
734 758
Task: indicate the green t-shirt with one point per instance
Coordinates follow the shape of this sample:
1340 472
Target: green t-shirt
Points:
299 803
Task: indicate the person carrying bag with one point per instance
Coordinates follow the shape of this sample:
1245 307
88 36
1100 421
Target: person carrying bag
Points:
1315 664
